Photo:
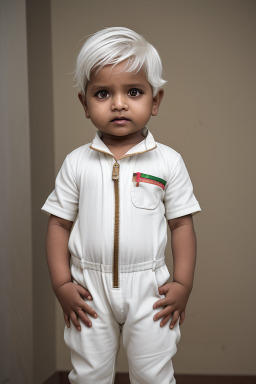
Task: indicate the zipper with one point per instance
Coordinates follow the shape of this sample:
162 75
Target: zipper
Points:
115 178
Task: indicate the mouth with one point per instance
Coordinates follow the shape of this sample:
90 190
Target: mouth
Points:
120 119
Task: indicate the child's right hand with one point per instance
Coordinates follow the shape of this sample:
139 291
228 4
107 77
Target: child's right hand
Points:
74 307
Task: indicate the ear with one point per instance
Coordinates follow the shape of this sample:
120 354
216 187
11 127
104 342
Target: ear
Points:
156 102
82 99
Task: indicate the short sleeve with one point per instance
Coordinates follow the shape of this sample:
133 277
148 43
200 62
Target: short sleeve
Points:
63 201
179 198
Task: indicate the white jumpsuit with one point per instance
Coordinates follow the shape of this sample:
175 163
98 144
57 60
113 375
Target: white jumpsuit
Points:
120 211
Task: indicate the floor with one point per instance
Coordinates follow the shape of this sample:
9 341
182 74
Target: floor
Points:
123 378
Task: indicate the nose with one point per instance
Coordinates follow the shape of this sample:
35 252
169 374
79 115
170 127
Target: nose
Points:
119 103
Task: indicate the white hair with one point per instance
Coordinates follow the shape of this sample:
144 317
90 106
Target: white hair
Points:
114 45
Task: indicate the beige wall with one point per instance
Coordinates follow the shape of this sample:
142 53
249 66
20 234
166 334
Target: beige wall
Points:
38 17
208 115
27 332
16 317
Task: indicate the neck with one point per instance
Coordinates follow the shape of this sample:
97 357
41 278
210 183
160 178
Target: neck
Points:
119 141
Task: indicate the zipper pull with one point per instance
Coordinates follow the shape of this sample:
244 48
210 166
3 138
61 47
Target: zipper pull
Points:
115 173
138 179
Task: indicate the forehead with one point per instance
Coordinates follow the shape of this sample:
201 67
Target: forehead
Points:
117 73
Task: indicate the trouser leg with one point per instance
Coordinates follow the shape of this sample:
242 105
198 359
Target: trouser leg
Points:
94 350
148 346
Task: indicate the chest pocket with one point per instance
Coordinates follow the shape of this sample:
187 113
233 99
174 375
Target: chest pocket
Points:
147 190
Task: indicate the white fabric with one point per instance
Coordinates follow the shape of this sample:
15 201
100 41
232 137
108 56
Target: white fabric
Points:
84 193
149 348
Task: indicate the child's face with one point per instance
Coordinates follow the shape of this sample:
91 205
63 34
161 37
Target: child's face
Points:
119 103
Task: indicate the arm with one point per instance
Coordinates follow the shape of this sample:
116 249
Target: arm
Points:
184 250
57 253
68 293
184 259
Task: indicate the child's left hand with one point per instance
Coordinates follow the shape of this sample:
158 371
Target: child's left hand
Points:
174 303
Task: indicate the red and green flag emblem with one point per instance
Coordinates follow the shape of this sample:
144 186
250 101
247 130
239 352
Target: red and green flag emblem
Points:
139 177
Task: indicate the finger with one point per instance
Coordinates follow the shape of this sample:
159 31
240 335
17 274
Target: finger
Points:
163 290
165 312
84 292
160 303
182 317
86 308
175 318
85 319
75 321
67 319
165 320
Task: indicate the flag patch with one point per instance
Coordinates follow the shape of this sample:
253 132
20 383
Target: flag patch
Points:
139 177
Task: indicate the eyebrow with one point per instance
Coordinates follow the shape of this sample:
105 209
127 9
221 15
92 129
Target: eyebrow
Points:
99 86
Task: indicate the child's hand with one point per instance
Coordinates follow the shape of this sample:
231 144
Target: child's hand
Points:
174 303
70 298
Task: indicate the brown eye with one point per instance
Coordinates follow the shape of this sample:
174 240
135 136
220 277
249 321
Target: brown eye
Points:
134 92
102 94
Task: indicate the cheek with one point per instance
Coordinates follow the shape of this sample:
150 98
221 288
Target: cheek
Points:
94 110
98 115
144 111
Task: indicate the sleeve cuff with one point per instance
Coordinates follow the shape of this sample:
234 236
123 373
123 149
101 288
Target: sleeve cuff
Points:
191 209
57 211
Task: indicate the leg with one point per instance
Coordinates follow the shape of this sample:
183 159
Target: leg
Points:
149 347
93 353
94 350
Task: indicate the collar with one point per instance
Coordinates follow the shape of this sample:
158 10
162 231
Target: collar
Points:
145 145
